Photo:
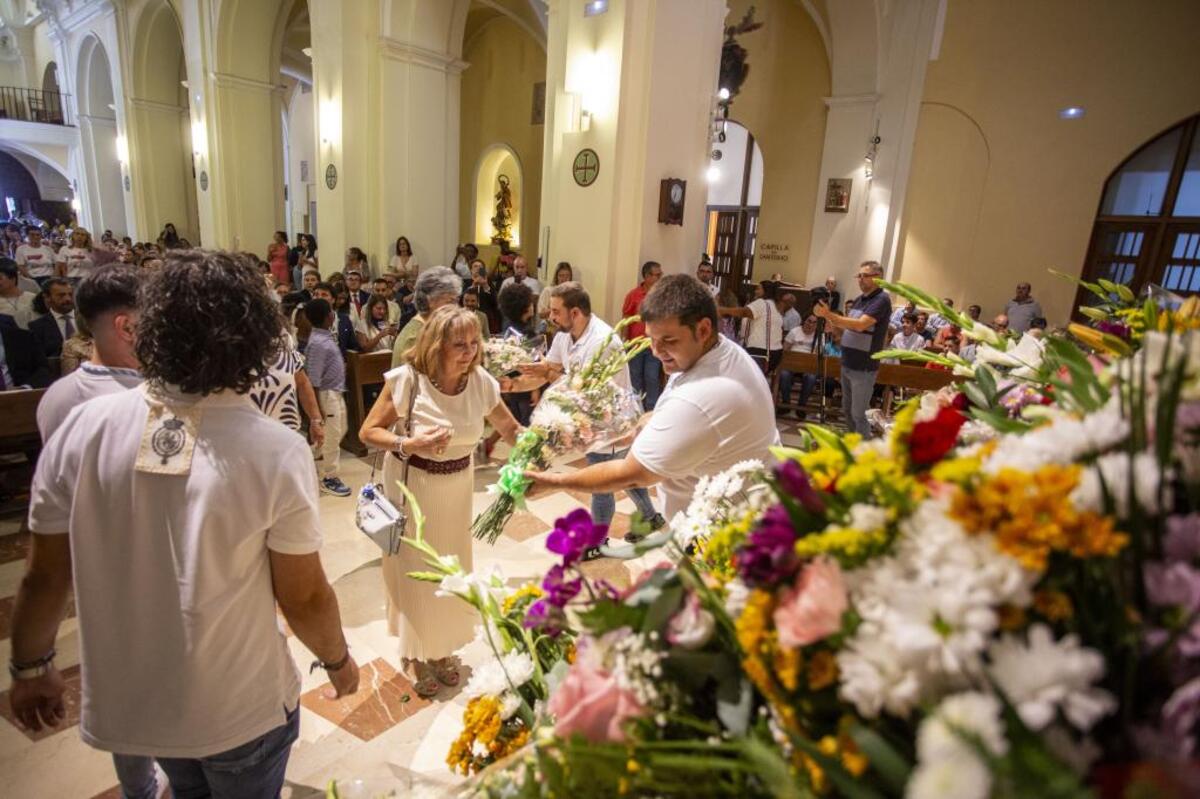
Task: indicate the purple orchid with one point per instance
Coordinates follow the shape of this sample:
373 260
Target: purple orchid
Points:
546 617
768 557
1113 329
574 534
560 591
793 479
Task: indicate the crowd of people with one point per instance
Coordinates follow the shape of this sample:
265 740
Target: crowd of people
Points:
216 383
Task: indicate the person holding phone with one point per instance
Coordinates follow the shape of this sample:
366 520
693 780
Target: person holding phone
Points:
373 330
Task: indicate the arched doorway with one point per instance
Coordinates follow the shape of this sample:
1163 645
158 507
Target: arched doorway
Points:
98 135
1147 228
735 182
163 170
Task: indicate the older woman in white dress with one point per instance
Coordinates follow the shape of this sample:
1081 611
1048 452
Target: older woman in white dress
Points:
453 397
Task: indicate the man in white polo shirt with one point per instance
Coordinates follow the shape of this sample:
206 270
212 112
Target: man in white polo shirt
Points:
184 516
714 413
583 335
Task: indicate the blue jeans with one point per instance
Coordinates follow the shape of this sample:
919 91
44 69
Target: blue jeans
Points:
857 388
136 775
787 379
605 505
645 373
253 770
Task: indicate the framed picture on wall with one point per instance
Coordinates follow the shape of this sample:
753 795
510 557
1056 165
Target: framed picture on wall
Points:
837 195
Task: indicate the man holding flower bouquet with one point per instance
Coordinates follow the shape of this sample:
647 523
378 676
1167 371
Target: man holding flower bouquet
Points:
582 335
711 415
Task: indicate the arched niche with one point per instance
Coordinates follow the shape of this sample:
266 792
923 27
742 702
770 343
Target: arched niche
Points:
162 164
735 190
497 160
98 136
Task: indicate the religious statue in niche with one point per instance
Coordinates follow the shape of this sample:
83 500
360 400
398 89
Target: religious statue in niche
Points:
734 68
502 221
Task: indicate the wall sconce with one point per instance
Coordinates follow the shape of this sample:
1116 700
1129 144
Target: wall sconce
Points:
591 86
869 158
713 174
331 122
76 206
122 150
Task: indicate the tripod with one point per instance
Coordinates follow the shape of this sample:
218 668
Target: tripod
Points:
822 366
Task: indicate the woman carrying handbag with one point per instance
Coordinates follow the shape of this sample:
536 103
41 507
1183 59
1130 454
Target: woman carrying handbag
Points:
429 449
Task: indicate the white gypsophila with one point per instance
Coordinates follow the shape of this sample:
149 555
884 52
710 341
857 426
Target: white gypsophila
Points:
961 778
490 678
1065 440
736 596
1119 472
1041 676
867 518
928 611
974 714
634 663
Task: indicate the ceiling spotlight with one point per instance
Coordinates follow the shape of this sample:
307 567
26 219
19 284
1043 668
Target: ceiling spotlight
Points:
1071 112
723 94
594 7
713 174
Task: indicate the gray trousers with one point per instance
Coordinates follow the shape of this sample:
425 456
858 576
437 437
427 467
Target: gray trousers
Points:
857 388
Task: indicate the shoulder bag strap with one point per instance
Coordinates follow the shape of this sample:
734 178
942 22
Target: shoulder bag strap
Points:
412 401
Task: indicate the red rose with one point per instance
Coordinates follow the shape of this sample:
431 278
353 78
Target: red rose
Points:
931 440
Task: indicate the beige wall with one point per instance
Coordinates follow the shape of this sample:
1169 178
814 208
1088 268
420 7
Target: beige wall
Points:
497 100
782 105
1002 189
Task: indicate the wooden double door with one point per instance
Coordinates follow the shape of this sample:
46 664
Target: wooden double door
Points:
731 238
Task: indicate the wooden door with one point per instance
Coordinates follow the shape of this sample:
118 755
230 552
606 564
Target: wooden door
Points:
725 249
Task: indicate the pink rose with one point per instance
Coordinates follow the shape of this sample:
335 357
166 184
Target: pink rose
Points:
590 702
813 608
692 626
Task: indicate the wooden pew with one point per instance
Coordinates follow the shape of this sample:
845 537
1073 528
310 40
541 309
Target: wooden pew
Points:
364 371
890 374
18 409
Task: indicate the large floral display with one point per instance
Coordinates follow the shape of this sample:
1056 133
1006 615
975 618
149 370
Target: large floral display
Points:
997 598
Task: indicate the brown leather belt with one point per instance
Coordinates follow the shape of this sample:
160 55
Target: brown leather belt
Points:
437 467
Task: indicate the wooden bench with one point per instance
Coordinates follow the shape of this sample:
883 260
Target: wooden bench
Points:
364 371
893 375
18 409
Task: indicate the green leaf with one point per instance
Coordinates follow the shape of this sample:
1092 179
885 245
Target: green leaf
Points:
773 770
662 608
428 577
986 379
885 760
975 395
786 453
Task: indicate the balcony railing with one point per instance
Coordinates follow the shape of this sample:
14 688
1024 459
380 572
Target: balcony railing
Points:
35 105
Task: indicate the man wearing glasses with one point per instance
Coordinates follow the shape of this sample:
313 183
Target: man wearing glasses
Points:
866 327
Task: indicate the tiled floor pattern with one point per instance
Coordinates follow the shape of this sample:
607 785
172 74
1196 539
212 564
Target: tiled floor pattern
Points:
385 734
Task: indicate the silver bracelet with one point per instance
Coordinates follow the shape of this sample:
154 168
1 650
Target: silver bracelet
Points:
398 448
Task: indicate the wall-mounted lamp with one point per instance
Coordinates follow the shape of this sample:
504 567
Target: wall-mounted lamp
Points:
872 151
330 122
76 205
723 94
122 150
713 174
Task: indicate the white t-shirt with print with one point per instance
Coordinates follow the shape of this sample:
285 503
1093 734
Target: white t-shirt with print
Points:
714 415
87 382
766 328
172 572
38 261
78 260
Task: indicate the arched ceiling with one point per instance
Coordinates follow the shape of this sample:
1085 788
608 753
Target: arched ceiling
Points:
529 15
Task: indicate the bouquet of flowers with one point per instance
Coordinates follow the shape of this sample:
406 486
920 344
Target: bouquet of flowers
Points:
582 407
503 355
1013 612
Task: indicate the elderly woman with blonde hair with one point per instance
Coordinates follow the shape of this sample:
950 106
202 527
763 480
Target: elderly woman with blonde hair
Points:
450 395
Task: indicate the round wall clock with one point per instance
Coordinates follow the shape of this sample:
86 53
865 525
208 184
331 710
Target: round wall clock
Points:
203 181
586 167
331 176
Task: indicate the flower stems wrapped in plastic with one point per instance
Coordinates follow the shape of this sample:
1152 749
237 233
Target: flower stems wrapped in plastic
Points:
504 355
584 406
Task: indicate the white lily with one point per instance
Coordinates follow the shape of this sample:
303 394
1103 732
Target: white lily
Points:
1024 359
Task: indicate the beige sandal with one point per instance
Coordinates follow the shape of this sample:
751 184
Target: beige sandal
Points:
446 671
423 677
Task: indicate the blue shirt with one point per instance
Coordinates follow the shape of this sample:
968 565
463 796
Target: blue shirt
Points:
326 370
857 346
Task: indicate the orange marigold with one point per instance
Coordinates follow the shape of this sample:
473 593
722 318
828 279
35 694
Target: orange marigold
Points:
822 670
1030 515
1053 605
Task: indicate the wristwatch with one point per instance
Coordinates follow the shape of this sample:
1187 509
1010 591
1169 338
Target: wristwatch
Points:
33 669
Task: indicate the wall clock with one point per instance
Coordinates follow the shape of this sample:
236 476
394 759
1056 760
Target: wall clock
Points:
331 177
671 195
586 167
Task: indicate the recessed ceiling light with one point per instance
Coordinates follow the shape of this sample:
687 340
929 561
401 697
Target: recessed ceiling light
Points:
1071 112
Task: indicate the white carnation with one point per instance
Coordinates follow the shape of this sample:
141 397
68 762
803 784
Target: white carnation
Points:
1066 439
490 678
1041 676
961 778
1119 472
974 715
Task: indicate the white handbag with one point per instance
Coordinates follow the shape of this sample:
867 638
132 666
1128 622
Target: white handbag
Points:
376 516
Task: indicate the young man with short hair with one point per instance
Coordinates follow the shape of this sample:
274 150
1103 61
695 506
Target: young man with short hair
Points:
709 418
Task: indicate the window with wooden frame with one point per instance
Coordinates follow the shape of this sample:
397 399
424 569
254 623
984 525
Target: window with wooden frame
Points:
1147 229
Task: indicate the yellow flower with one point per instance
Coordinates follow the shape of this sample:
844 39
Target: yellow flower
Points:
482 723
569 655
528 590
717 551
845 541
822 670
787 664
1031 516
1054 605
959 471
755 619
